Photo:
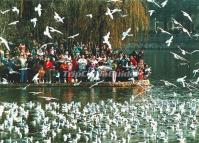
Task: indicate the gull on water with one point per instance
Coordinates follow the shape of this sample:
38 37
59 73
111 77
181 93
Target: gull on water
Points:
47 32
54 30
187 15
13 23
164 3
126 33
38 9
15 9
73 36
176 56
5 42
34 21
58 18
169 41
106 40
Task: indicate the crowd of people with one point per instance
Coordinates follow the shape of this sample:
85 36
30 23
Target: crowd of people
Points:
53 62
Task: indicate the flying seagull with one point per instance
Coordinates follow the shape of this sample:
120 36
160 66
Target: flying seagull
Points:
47 98
34 21
115 10
154 2
176 22
183 51
5 11
55 30
106 40
15 9
181 80
5 43
58 18
13 23
35 93
151 12
73 36
195 72
109 13
47 32
187 15
38 9
163 31
176 56
126 33
164 3
89 15
169 41
45 45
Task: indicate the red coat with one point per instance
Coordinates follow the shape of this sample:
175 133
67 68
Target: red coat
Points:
134 62
48 65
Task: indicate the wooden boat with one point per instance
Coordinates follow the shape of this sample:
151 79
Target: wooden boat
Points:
140 83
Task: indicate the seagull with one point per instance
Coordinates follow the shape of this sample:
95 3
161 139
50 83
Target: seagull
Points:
184 64
164 3
115 10
169 41
181 80
11 71
196 35
151 12
54 30
194 51
124 15
5 11
45 45
35 78
77 84
96 83
5 81
115 1
73 36
89 15
38 9
187 15
15 9
13 23
163 31
195 72
106 40
35 93
186 31
5 43
48 98
47 32
126 33
154 2
34 21
183 51
58 18
24 88
168 83
109 13
176 56
176 22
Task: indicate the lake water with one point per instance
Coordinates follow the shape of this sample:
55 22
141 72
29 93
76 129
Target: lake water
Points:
164 67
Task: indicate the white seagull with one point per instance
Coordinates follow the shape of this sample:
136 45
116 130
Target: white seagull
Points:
15 9
89 15
195 72
47 32
187 15
115 1
151 12
164 31
38 9
176 22
55 30
181 80
5 42
183 51
176 56
109 13
164 3
115 10
5 11
58 18
154 2
186 31
167 83
13 23
169 41
106 40
73 36
34 21
126 33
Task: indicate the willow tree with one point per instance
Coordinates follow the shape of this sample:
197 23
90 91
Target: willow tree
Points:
76 21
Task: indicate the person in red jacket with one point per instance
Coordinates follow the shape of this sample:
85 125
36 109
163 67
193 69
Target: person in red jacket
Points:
134 62
63 71
48 67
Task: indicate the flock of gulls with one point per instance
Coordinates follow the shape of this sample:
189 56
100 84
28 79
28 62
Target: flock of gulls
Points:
142 119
